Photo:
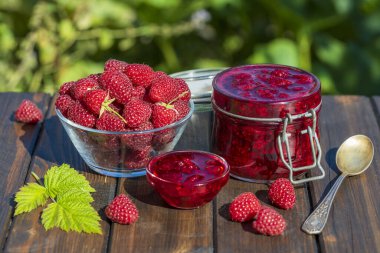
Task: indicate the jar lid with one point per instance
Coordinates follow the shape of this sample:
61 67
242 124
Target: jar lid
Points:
266 90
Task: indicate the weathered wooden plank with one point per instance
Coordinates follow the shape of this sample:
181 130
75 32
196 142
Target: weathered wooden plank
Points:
354 221
160 227
236 237
27 233
17 144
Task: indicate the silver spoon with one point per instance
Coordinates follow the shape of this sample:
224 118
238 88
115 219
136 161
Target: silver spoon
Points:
353 157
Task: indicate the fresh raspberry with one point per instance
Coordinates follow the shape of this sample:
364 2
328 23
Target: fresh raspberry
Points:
282 194
140 74
163 114
96 77
28 112
138 141
122 210
182 108
136 112
159 74
136 164
163 89
138 154
93 100
83 85
138 92
113 64
118 84
109 143
110 122
183 89
269 222
244 207
65 88
163 137
63 103
81 115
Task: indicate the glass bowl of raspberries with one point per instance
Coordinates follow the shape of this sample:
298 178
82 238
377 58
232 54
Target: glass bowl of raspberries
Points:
120 119
187 179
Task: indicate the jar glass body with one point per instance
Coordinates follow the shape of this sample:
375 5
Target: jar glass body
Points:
251 104
250 147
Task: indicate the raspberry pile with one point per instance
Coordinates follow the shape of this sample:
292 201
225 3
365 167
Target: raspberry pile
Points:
135 93
126 98
267 221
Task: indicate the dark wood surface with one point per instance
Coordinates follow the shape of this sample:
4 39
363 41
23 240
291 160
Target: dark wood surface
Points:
353 225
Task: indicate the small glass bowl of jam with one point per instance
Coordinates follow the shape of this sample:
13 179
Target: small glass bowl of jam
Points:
266 122
187 179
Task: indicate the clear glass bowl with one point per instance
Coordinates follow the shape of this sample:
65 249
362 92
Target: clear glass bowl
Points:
188 179
123 154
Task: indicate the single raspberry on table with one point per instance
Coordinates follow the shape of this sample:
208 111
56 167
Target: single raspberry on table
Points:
140 74
122 210
82 87
63 103
269 222
281 193
118 85
244 207
28 112
136 112
80 115
110 122
113 64
163 89
163 114
65 88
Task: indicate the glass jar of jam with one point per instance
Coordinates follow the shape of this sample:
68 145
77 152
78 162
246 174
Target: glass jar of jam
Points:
266 122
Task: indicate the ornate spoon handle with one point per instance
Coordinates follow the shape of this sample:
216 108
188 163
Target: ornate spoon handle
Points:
316 221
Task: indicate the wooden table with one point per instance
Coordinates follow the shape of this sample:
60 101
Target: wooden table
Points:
353 225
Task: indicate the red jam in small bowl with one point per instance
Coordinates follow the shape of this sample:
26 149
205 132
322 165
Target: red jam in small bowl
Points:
187 179
251 103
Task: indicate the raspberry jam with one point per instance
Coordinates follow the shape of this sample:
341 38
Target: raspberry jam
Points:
251 104
187 179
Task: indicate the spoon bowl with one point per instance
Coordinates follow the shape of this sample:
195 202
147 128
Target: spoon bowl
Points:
355 155
352 158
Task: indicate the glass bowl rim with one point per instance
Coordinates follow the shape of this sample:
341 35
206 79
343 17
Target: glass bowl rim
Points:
221 159
154 130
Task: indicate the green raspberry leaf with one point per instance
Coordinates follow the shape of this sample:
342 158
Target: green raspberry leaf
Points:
63 178
71 216
30 197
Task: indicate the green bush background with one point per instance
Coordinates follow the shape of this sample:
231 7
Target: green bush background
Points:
44 43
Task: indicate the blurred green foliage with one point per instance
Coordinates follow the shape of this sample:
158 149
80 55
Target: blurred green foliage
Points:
44 43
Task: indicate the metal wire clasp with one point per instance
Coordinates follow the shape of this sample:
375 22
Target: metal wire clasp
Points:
283 138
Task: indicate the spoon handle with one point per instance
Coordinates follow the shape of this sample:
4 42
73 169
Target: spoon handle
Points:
316 221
